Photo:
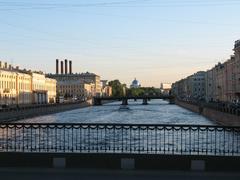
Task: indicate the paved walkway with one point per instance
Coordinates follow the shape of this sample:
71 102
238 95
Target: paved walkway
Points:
69 174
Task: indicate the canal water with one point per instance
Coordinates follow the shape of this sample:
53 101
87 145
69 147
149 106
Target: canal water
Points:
157 112
159 128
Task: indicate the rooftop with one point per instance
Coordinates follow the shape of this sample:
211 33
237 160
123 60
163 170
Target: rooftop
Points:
74 74
237 44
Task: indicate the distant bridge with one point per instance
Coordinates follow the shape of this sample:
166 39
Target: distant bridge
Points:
124 99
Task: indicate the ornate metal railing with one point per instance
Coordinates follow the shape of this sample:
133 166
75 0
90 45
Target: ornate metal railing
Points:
120 138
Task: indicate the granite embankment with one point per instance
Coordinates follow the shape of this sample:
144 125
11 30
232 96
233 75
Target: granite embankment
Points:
33 111
222 118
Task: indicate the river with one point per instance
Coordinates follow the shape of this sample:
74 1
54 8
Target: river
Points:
139 129
156 112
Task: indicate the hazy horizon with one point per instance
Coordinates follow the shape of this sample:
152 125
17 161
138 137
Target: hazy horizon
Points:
152 40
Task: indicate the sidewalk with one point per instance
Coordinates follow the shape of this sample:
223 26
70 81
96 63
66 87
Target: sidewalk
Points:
69 174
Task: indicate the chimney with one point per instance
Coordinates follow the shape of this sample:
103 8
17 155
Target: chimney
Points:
61 67
6 65
10 67
0 64
66 66
70 67
57 66
17 67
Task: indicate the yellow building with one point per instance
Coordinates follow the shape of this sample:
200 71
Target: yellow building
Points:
24 88
88 90
73 85
8 88
95 79
77 89
106 89
20 87
38 88
51 88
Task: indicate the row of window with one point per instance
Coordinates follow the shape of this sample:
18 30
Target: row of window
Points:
70 86
68 91
12 85
23 86
13 77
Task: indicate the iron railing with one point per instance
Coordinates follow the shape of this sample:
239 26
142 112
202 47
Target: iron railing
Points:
120 138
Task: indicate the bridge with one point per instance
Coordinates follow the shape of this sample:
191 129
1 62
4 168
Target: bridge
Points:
113 145
98 100
120 138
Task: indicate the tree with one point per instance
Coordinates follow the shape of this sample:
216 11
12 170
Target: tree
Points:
117 88
144 91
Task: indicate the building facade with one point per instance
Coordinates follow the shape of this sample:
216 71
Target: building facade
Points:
165 88
79 86
191 87
198 88
106 89
222 82
51 88
24 88
8 87
21 87
237 70
74 89
209 96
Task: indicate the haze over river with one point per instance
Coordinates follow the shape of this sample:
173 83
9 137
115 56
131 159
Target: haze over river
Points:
157 112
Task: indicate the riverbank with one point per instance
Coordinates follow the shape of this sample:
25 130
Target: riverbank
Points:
219 117
30 112
41 110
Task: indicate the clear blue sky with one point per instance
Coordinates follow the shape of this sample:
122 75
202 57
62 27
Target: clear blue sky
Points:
153 40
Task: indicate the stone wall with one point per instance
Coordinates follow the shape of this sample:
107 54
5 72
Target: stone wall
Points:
41 110
188 106
221 118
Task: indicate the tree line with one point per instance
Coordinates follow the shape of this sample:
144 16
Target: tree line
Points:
118 90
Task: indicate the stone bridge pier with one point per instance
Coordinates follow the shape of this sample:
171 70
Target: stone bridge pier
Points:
145 101
125 101
97 102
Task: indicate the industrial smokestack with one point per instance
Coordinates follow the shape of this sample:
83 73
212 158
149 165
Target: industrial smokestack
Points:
57 66
66 66
61 67
70 67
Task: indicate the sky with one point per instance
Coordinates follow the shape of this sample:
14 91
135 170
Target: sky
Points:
152 40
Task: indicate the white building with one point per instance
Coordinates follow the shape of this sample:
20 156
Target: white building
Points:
198 89
165 88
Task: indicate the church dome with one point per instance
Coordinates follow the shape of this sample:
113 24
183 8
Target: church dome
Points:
135 84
